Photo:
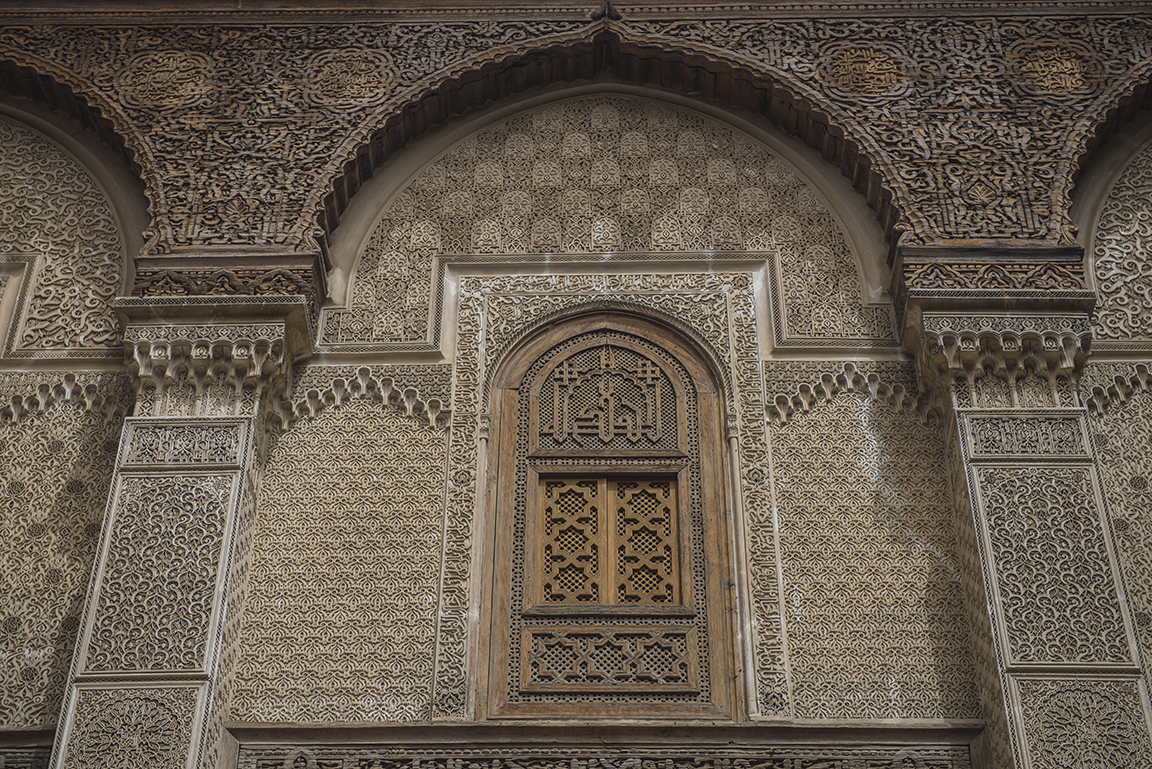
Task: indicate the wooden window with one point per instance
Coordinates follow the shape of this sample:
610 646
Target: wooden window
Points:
607 542
610 593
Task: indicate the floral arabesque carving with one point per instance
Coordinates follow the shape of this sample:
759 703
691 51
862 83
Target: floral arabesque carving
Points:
56 465
131 728
1053 573
856 550
1122 257
358 547
158 579
1008 276
55 215
1083 724
608 174
1121 436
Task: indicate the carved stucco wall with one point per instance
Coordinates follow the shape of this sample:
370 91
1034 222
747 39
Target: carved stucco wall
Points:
56 220
341 615
608 174
1122 435
55 468
872 592
1122 255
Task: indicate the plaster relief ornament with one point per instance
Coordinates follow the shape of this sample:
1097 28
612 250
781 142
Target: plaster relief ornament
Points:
165 79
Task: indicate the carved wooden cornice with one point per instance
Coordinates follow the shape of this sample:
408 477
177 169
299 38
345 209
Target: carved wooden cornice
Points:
232 275
197 103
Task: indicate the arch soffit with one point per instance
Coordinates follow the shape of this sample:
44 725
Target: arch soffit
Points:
850 210
709 76
122 189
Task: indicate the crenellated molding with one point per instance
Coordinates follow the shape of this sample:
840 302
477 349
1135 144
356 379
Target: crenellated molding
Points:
954 351
1103 385
25 394
414 391
879 385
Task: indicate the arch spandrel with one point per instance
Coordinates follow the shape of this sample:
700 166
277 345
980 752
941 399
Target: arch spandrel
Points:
62 250
611 177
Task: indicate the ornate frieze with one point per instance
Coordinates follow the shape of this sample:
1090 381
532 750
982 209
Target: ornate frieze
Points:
272 112
602 757
1040 435
203 442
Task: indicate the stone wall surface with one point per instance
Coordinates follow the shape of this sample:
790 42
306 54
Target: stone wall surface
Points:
936 507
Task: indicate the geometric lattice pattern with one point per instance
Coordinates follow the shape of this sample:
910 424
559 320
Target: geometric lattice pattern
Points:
610 659
608 542
341 620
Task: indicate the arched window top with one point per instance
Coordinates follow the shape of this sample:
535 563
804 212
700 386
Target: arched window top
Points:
611 177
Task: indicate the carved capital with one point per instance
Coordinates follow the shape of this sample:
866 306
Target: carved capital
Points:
954 351
235 358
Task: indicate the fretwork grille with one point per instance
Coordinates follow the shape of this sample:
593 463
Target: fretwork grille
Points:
596 532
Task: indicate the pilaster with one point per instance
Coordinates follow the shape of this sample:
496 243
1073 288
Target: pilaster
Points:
1059 669
152 672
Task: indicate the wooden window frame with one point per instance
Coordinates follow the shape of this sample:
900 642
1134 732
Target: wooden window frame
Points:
723 697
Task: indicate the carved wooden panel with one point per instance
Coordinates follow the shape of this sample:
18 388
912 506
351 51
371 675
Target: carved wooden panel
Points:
607 541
